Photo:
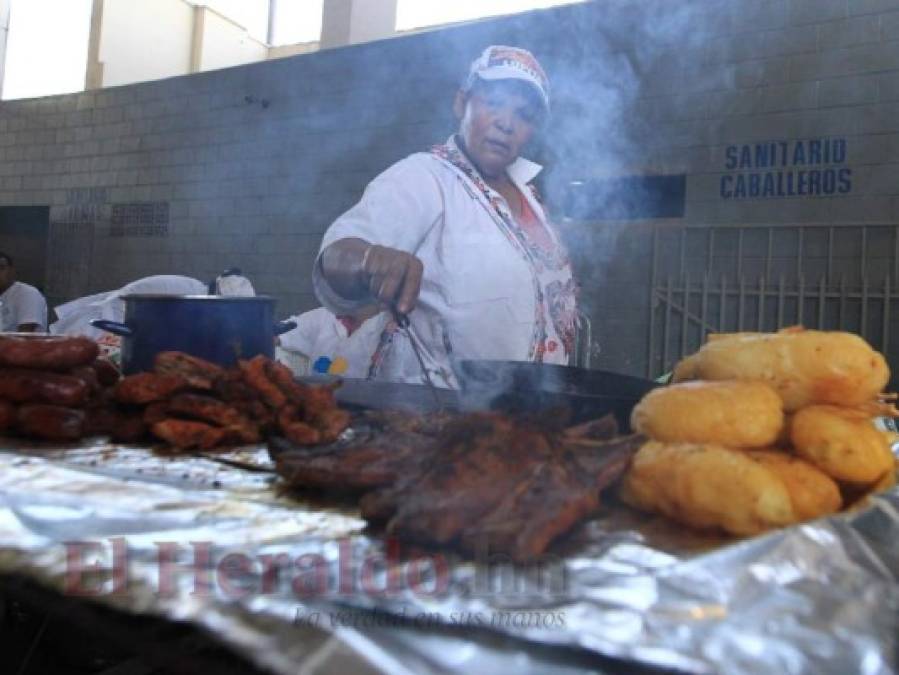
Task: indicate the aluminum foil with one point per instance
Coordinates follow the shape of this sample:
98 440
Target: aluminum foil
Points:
299 585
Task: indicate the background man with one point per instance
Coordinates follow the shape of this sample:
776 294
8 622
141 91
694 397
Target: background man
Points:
22 307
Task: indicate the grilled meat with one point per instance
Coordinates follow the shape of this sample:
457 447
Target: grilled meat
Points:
256 377
186 434
215 412
554 497
474 481
199 373
145 388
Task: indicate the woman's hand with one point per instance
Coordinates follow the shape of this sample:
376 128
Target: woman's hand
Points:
357 269
394 277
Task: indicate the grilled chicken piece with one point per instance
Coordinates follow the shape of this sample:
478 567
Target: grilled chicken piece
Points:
156 412
199 373
256 376
145 388
186 434
215 412
311 399
232 389
296 430
205 409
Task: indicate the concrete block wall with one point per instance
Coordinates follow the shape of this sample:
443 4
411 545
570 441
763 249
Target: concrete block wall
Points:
248 166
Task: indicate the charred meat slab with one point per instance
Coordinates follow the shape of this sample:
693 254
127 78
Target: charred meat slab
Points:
469 481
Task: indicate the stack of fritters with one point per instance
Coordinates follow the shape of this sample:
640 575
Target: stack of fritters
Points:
763 430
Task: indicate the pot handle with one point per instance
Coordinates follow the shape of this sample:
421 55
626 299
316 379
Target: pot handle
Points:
113 327
283 326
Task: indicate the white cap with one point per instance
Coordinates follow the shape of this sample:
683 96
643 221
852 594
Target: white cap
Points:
499 62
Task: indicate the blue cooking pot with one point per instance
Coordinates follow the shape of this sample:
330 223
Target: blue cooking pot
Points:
216 328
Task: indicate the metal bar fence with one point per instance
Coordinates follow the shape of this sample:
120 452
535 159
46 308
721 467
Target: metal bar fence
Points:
831 278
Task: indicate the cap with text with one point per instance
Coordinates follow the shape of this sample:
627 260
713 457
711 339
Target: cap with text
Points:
499 62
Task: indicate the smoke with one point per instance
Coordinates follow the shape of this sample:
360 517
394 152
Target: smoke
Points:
623 64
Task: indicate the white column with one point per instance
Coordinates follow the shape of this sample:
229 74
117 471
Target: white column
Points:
348 22
272 19
4 31
196 40
93 76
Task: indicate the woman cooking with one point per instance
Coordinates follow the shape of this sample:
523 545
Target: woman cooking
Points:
458 235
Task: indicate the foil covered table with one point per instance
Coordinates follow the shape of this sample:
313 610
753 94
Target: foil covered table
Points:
299 585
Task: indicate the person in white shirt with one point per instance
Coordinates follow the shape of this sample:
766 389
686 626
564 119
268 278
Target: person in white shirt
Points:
336 345
22 307
457 240
74 317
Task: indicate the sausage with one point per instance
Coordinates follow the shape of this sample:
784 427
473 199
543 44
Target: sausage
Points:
107 372
87 375
31 386
47 353
50 422
7 415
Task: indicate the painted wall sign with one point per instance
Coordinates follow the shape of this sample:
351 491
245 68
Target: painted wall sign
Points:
139 219
781 169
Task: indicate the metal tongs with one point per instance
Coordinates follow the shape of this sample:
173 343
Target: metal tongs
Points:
402 320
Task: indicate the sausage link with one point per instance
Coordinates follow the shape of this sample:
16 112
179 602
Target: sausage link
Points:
107 372
50 422
7 415
87 375
31 386
47 353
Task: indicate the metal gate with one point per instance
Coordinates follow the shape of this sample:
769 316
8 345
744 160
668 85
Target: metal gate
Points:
761 278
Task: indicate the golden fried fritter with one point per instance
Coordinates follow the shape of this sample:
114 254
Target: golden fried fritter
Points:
842 442
805 367
813 493
708 486
734 414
